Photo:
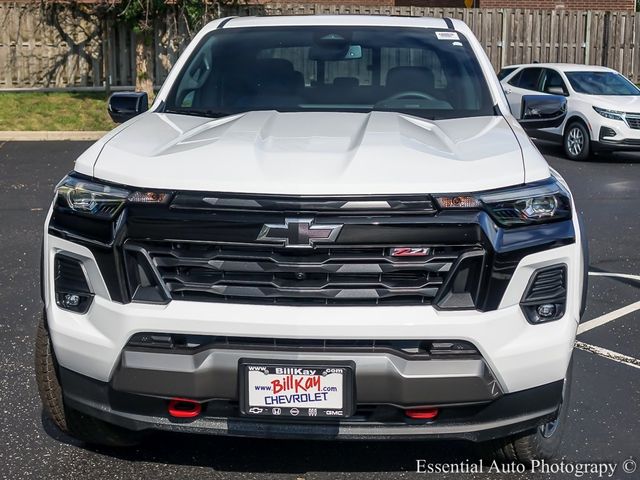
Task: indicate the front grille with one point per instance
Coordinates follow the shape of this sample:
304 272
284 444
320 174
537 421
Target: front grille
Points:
277 275
272 203
633 122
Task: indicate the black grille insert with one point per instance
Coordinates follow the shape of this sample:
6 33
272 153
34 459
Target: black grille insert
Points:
180 343
72 291
634 122
347 205
69 275
546 295
277 275
547 284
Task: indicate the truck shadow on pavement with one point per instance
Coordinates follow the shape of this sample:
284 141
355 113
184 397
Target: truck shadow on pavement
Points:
295 456
233 454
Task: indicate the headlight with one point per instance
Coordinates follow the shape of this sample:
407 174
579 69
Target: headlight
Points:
610 114
528 205
99 200
102 201
518 206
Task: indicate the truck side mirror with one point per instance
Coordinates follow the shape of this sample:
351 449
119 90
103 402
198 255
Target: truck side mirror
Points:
126 105
542 111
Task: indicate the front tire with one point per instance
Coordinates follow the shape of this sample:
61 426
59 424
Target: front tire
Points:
88 429
577 142
541 443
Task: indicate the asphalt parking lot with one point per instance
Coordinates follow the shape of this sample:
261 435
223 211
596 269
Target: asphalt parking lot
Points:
603 426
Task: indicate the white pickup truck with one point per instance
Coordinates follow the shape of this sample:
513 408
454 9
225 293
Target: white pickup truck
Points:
324 227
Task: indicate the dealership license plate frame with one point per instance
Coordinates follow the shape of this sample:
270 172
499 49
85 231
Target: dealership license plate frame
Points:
348 390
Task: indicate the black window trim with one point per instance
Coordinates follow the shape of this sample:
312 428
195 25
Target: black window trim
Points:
564 82
519 75
515 75
511 70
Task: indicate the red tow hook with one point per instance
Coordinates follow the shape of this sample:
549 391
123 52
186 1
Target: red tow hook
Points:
184 408
422 413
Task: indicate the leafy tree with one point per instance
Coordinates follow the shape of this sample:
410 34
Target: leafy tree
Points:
142 16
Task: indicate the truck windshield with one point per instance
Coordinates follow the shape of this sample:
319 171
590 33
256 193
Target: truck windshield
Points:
424 72
601 83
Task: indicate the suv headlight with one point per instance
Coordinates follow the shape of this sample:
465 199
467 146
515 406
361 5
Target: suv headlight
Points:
99 200
610 114
530 204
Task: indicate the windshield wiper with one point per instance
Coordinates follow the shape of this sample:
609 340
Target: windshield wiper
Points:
199 112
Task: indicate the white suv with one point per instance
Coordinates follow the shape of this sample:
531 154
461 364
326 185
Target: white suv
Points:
324 227
603 107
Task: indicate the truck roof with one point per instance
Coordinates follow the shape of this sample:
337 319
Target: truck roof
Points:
336 20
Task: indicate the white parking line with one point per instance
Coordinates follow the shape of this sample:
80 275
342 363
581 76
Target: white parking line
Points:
608 317
618 275
611 355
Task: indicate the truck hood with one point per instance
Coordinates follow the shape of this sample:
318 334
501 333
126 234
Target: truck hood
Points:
313 153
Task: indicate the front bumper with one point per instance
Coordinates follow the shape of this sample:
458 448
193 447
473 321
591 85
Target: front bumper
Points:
520 355
102 376
380 378
626 145
613 135
510 414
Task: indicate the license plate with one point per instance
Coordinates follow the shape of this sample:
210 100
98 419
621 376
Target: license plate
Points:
285 389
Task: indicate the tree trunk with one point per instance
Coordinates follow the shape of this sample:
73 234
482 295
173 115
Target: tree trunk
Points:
144 63
106 56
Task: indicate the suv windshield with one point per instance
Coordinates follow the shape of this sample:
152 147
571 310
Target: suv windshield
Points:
601 83
424 72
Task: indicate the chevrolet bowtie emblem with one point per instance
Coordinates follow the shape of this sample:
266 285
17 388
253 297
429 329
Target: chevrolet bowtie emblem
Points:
299 232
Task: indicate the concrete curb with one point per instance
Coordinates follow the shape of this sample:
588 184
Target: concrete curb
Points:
34 136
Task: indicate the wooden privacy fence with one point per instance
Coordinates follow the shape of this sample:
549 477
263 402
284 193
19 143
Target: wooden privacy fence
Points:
72 49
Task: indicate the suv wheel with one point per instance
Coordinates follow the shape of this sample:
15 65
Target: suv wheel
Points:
541 443
577 143
85 428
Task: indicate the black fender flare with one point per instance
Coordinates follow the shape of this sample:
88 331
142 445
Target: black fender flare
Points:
42 295
585 261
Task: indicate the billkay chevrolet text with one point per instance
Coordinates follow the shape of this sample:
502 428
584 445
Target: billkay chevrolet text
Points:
323 227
